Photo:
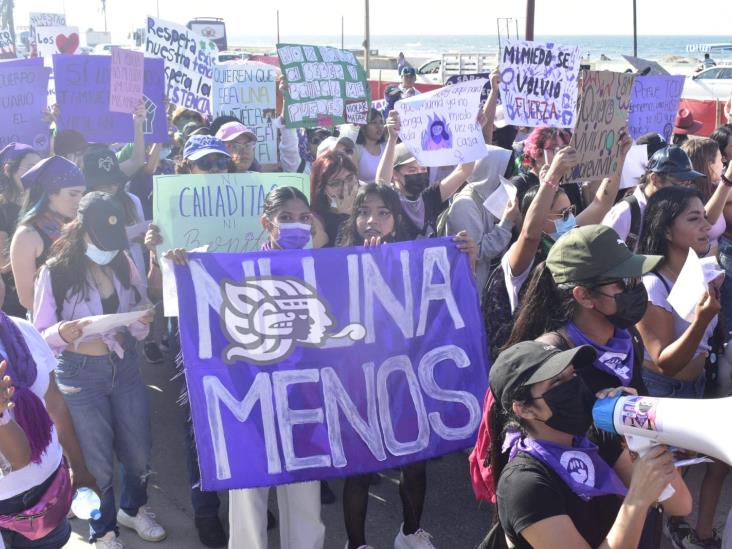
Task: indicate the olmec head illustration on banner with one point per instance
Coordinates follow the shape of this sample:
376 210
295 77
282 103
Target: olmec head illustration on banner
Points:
265 318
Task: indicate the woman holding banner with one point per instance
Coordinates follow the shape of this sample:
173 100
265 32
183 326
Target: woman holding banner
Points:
54 188
89 273
288 222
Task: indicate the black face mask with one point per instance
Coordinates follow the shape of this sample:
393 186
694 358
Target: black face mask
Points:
571 405
631 306
415 183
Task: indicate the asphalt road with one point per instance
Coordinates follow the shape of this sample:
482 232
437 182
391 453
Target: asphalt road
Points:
451 514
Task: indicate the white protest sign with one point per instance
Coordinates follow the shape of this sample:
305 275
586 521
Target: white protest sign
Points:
691 284
498 200
189 62
54 40
634 166
247 91
539 83
440 127
40 19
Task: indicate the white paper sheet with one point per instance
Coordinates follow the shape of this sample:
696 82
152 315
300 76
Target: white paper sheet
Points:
103 323
498 199
634 167
689 287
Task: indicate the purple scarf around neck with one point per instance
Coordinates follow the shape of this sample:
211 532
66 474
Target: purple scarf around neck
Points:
616 358
30 412
579 466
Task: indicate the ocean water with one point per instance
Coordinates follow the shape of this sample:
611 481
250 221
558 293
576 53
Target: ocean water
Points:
650 47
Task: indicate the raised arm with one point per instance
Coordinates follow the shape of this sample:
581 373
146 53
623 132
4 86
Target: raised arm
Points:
488 113
386 164
715 204
133 164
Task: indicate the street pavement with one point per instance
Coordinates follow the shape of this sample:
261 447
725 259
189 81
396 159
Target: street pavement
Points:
451 513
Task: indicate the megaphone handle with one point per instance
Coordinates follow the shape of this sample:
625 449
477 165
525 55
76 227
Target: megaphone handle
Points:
641 445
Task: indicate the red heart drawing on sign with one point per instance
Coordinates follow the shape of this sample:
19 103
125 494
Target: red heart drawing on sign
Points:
67 44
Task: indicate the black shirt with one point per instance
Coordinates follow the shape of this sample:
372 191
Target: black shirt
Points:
333 225
431 197
529 491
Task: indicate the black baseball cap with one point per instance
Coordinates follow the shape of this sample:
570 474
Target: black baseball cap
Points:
101 167
103 218
408 71
653 142
531 362
673 161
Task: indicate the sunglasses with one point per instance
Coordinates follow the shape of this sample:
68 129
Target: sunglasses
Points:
211 162
566 213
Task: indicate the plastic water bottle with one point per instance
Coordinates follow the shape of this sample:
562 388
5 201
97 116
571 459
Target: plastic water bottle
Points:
86 504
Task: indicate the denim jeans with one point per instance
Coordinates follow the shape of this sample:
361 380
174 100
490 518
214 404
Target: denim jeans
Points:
725 260
109 405
664 386
55 539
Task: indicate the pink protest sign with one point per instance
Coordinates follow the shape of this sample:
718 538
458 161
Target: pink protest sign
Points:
127 77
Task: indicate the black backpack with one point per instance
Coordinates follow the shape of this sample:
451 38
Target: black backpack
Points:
495 307
635 222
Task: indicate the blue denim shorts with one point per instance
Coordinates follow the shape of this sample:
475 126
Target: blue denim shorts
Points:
663 386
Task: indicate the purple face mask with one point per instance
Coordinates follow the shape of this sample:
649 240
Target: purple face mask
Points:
293 236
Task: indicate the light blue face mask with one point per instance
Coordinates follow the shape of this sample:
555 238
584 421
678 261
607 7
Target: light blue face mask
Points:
100 257
562 226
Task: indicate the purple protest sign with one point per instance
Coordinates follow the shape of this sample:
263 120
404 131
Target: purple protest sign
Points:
314 364
82 94
653 105
127 77
23 98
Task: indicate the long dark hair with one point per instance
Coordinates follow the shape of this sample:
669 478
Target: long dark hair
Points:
325 167
373 114
544 307
276 198
9 192
722 135
69 265
702 152
35 203
662 210
349 235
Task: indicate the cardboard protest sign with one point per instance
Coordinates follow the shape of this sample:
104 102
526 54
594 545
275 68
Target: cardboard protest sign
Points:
82 92
326 86
653 105
601 116
127 74
440 127
189 61
539 83
55 40
247 91
384 364
23 92
7 45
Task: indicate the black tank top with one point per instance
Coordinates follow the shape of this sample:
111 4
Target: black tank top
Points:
47 241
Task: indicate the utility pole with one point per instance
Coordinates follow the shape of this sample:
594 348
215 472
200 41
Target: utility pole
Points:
278 26
635 31
342 37
367 41
530 8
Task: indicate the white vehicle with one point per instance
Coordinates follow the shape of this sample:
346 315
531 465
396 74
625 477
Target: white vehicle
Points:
232 56
711 83
438 70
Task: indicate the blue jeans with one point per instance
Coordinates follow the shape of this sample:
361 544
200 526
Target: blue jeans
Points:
109 405
663 386
725 260
55 539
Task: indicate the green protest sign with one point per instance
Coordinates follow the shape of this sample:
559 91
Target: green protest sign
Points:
325 86
220 211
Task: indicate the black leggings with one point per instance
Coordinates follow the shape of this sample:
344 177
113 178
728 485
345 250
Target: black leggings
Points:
412 488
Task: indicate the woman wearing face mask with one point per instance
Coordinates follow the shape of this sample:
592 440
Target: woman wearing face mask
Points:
538 411
588 292
676 349
15 160
422 203
333 186
287 220
89 273
54 188
377 218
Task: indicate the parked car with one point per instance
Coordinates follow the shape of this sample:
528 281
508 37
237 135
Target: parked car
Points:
714 82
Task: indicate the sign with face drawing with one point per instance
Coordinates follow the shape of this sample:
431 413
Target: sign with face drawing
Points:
313 364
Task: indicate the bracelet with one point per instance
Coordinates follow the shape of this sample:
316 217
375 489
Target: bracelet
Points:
726 181
551 184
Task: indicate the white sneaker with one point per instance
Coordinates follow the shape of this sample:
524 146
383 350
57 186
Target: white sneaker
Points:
419 540
108 541
143 523
362 546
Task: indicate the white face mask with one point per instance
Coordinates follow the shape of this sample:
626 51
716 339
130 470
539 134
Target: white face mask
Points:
100 257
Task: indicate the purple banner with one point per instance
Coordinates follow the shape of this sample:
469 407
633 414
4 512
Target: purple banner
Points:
23 98
653 105
314 364
82 94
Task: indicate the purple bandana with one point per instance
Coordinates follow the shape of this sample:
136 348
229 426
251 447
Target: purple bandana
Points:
580 467
615 358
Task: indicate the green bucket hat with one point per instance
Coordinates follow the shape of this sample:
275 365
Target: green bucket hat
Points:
596 253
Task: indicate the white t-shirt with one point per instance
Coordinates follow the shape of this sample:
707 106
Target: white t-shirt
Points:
34 474
619 216
369 163
514 283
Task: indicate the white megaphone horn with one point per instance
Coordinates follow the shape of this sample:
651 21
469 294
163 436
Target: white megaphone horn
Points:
689 424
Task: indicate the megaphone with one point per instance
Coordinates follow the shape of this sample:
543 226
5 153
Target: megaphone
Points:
689 424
